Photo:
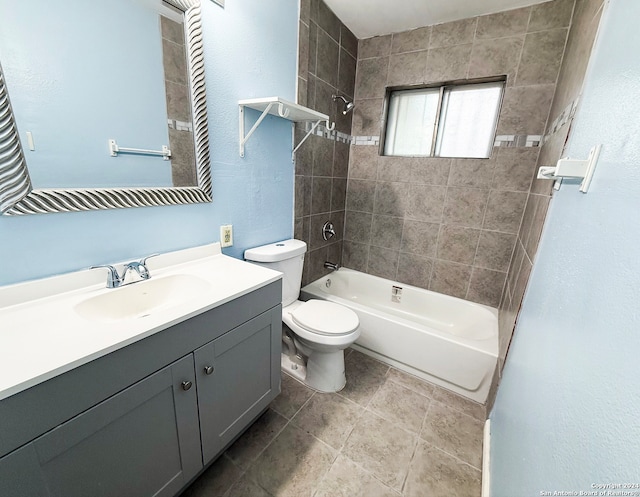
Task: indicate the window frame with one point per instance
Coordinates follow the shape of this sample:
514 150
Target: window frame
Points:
442 86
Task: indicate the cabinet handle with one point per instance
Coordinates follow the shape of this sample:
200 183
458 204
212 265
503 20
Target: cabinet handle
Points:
208 369
186 385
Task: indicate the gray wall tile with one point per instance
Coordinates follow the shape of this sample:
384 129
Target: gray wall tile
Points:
549 15
414 270
509 23
313 46
320 195
453 33
322 157
480 201
465 206
504 211
485 286
303 49
327 66
477 173
393 168
341 160
363 162
496 57
386 231
357 227
579 44
328 21
495 250
431 171
378 46
383 262
302 92
355 255
541 57
366 117
425 203
361 195
448 63
391 198
450 278
338 194
347 74
515 168
407 68
419 237
457 244
348 41
371 77
409 41
525 110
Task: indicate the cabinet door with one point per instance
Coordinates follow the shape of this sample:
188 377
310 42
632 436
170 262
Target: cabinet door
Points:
141 442
238 375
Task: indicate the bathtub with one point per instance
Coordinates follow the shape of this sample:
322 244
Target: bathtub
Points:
445 340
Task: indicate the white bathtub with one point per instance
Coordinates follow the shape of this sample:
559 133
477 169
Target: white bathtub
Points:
448 341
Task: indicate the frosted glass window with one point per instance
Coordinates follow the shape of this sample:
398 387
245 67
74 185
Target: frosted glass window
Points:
411 122
449 121
468 120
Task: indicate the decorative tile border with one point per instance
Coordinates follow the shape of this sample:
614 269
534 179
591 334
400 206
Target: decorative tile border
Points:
518 141
565 116
500 141
180 125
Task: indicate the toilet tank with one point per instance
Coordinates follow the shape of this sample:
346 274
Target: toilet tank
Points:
287 257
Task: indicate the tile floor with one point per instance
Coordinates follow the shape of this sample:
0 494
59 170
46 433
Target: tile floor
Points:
386 434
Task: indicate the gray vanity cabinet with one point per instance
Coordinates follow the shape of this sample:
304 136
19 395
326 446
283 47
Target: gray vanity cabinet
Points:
146 419
236 380
143 441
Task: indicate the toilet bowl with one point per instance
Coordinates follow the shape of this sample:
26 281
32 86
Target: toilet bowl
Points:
315 333
321 331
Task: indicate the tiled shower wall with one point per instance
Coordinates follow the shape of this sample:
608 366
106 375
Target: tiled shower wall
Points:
327 65
586 18
176 81
451 225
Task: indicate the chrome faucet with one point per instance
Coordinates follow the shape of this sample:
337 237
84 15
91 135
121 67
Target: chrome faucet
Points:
332 265
138 267
114 280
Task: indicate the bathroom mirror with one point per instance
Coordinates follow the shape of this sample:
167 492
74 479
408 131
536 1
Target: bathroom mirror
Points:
128 138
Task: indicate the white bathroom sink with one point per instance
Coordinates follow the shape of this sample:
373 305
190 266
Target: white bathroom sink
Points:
141 299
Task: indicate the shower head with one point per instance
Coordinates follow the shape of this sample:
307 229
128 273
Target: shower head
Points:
348 106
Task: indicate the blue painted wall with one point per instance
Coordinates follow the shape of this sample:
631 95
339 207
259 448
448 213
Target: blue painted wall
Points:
250 51
566 415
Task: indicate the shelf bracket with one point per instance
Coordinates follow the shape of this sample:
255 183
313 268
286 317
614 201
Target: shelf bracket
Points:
327 125
243 138
571 168
279 108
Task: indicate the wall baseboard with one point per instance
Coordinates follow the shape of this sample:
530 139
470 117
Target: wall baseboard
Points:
486 459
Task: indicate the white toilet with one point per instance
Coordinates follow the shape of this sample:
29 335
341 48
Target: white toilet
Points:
314 333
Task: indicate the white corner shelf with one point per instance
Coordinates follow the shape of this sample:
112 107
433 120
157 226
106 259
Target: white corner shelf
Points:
279 107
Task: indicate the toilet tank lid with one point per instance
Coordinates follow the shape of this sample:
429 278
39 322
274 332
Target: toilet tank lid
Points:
275 252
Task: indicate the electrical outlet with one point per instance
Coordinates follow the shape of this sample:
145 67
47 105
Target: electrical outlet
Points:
226 235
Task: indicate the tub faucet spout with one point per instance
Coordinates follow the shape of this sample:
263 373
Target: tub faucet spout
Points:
332 265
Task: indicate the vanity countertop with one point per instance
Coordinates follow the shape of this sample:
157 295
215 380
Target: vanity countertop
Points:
42 335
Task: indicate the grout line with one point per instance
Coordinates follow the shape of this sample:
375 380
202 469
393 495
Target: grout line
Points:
452 455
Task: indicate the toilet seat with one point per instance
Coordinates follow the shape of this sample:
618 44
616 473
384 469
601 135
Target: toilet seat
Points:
325 318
